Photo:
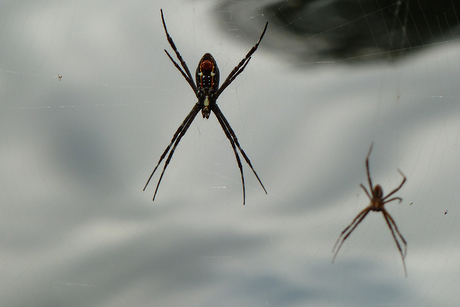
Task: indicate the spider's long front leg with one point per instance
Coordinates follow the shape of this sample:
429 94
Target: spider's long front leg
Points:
175 140
187 75
241 65
232 137
232 76
367 169
358 219
189 80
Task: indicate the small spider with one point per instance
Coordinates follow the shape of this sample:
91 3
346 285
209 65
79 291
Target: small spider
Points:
59 77
207 91
377 204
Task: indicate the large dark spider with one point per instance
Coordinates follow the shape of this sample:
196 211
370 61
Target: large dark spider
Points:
207 91
377 204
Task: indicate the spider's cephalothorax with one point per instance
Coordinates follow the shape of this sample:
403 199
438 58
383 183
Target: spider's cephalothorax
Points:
207 91
207 82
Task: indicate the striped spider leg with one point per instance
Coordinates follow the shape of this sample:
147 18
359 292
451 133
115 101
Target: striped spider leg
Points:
377 204
207 91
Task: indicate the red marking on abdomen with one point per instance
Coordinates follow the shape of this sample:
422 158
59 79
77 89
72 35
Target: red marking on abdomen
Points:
206 66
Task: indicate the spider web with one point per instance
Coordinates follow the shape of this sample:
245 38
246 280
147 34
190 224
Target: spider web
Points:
329 78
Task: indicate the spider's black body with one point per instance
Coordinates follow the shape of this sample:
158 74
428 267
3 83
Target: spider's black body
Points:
207 82
207 91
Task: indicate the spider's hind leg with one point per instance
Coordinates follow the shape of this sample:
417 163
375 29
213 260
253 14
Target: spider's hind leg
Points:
234 141
180 132
219 116
358 219
392 225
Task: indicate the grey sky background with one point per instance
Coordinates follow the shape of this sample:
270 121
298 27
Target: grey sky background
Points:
76 229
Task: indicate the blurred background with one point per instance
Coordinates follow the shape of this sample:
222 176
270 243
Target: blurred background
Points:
89 101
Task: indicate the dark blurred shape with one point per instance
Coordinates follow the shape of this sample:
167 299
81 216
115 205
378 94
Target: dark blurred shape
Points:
348 30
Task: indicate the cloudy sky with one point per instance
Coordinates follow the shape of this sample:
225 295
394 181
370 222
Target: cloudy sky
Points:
76 229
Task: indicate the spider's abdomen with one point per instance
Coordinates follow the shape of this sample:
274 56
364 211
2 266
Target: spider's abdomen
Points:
207 81
207 74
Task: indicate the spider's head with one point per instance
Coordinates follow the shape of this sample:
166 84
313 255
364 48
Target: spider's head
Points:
378 192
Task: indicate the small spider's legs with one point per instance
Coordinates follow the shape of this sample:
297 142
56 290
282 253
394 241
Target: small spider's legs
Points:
394 198
175 140
187 75
365 190
387 215
391 224
397 189
358 219
368 172
241 66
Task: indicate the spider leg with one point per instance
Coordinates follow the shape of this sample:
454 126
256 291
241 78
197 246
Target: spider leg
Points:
238 160
368 172
394 198
187 75
175 140
241 66
365 190
232 76
391 223
397 230
234 140
233 135
190 81
358 219
397 189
